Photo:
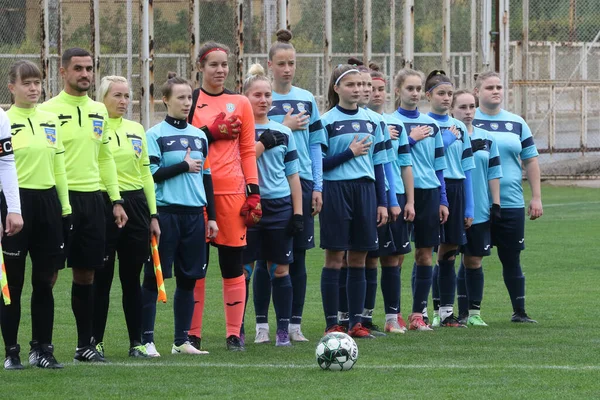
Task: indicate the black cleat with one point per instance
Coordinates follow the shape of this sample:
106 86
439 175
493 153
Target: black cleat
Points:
35 352
235 344
195 341
88 354
12 360
452 322
46 358
522 317
375 329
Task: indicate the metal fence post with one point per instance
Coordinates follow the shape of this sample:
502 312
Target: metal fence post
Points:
239 46
327 51
45 49
194 32
473 63
409 33
525 58
446 37
95 31
129 13
392 70
368 31
486 34
504 46
147 64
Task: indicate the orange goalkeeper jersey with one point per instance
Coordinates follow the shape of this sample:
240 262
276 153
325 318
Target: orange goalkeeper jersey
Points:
232 162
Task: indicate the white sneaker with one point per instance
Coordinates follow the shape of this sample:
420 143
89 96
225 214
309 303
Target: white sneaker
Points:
151 350
262 336
296 335
186 348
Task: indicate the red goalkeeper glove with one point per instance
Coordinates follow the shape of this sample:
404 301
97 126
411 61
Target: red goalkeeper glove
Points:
224 128
251 208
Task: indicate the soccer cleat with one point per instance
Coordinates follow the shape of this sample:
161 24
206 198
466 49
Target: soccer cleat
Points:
12 360
297 336
186 348
452 322
151 350
402 323
463 318
416 323
34 352
436 321
521 316
100 348
358 331
282 339
475 320
234 344
262 336
138 352
243 339
195 341
425 316
393 326
336 328
46 358
88 354
373 328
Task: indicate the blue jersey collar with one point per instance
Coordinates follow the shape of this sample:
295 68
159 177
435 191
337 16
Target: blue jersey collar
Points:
409 113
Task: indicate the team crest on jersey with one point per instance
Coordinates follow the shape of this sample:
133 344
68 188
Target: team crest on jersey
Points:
356 126
137 147
230 107
370 128
184 142
198 143
494 126
50 135
287 107
508 126
98 128
301 107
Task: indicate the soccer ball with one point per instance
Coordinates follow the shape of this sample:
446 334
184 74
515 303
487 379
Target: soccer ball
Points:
336 352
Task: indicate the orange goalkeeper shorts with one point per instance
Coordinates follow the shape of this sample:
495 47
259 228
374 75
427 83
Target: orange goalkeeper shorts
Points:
232 227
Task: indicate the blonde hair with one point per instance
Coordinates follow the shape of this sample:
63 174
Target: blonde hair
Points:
485 75
401 77
256 73
105 85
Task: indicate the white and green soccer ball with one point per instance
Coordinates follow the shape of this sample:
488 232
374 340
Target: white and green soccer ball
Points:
336 352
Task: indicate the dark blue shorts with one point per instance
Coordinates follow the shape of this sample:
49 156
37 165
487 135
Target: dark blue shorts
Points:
479 240
348 220
386 243
509 232
182 245
269 240
453 231
426 226
306 239
400 230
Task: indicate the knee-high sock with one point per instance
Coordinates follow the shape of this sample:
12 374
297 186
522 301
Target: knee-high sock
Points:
261 292
183 308
199 298
103 279
149 298
422 284
330 281
413 278
10 316
234 297
513 277
343 296
42 303
370 294
83 308
298 277
447 282
435 287
356 287
129 275
461 291
474 283
282 301
390 288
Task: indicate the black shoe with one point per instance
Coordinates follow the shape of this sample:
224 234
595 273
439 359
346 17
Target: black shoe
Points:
375 329
521 316
234 344
195 341
88 354
12 360
46 358
463 318
138 351
452 322
35 352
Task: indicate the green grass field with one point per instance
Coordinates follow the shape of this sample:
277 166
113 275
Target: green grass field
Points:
557 358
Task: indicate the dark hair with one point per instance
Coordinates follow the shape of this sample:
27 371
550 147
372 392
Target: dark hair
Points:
22 70
207 47
73 52
172 79
332 97
461 92
283 43
375 70
358 64
434 78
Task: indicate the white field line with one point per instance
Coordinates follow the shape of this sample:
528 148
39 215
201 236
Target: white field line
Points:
152 364
579 203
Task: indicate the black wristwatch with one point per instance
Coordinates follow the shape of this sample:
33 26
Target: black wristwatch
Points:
155 216
120 201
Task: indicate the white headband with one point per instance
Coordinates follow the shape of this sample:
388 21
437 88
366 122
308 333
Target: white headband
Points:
344 74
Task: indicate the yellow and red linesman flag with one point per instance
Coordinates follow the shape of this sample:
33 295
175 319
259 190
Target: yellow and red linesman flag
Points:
160 282
4 281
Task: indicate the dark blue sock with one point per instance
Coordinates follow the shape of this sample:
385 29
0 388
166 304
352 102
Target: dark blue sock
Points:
474 284
390 288
183 308
149 298
261 292
298 276
461 291
330 282
447 282
513 277
422 285
435 287
356 289
413 278
343 297
371 292
282 301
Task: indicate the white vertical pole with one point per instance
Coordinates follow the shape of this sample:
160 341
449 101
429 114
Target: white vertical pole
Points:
129 13
283 14
368 31
327 50
473 65
45 53
96 42
392 70
504 48
446 36
525 58
409 32
147 54
486 30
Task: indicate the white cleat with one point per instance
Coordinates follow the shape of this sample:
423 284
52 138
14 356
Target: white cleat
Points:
297 336
262 336
187 348
151 350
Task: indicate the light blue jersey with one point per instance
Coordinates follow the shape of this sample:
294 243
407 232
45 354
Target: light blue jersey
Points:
459 155
276 164
401 151
389 151
341 126
487 167
300 100
515 144
427 154
167 145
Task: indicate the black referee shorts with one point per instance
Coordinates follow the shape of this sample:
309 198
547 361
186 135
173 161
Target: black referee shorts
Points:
132 242
86 242
41 235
